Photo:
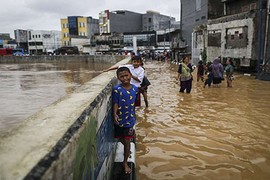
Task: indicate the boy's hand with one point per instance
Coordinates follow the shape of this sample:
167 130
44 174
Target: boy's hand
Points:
116 119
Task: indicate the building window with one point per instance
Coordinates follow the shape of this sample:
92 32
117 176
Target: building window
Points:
203 17
197 20
241 36
82 24
149 19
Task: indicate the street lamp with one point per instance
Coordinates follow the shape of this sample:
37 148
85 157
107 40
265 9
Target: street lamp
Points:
180 19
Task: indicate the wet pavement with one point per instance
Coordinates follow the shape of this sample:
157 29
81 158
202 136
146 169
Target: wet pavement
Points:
212 133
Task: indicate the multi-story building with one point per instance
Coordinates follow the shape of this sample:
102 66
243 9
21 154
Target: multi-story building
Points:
78 27
146 40
137 25
21 37
154 21
237 31
192 15
119 21
4 38
43 42
162 24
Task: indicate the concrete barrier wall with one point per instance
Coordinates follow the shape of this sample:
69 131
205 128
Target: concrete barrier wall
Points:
70 139
26 59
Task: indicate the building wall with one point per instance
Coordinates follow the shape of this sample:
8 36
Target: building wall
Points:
199 43
228 48
193 14
92 27
125 21
82 26
79 42
43 41
5 36
65 32
215 9
238 32
156 21
21 37
104 22
236 7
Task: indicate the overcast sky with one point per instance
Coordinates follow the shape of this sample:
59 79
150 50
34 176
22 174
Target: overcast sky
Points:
46 14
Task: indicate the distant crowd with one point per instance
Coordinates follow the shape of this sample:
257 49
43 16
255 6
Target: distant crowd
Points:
212 73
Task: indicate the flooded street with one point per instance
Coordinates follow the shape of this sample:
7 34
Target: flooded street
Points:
212 133
26 88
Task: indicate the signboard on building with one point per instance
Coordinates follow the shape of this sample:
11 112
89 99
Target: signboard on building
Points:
21 35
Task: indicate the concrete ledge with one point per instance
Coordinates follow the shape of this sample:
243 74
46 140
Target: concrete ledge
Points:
120 153
118 170
51 143
61 58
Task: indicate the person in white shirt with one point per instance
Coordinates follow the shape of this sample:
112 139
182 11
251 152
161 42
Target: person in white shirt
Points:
137 74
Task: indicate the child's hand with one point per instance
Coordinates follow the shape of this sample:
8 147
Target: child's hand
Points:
116 119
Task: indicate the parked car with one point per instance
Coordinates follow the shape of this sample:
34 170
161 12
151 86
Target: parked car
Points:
18 52
67 50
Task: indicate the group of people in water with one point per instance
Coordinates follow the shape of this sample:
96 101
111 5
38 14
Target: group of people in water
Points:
214 72
133 82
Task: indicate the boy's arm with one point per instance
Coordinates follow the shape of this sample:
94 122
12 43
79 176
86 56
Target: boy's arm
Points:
140 76
115 116
136 78
111 68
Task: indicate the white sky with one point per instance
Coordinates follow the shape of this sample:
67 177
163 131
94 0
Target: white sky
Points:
46 14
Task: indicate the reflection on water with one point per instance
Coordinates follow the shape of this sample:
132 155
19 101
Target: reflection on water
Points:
212 133
26 88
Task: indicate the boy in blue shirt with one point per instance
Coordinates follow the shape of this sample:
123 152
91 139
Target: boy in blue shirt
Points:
123 97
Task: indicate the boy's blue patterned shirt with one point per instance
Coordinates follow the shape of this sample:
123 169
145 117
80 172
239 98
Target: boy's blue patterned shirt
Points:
126 104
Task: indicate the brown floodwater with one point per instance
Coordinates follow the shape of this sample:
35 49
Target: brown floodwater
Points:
26 88
212 133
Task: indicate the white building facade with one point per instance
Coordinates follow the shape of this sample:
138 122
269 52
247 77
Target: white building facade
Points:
44 42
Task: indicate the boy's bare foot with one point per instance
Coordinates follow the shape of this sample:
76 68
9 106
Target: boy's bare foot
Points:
127 168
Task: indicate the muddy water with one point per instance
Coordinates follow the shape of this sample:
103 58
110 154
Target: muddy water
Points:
27 88
212 133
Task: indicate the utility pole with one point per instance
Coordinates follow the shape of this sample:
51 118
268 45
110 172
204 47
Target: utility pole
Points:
164 39
170 32
260 37
180 31
266 43
180 18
